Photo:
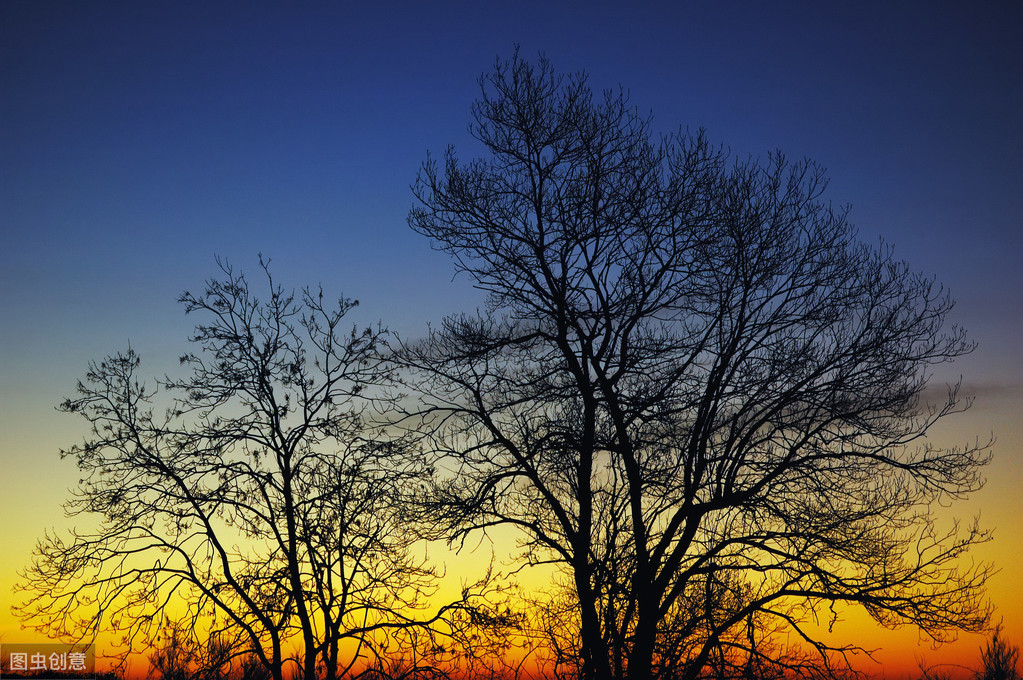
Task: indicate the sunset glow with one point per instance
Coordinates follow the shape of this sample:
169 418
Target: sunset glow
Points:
139 142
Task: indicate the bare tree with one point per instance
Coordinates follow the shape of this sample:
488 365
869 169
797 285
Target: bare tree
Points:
261 501
179 653
173 656
998 658
692 388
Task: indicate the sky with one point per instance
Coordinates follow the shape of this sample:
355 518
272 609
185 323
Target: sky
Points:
140 140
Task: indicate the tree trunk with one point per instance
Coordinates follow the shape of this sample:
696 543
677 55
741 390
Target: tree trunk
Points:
641 658
596 659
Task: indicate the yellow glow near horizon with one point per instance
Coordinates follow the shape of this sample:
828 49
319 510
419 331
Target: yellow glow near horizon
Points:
31 504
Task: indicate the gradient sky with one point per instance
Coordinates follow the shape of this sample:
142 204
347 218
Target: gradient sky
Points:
139 139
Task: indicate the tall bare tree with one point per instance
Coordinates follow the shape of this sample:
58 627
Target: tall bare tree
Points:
257 500
692 388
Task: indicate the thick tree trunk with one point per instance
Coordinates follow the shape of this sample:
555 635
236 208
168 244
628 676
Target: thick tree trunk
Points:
276 660
641 658
596 657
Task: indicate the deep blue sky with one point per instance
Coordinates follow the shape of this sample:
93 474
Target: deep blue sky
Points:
138 139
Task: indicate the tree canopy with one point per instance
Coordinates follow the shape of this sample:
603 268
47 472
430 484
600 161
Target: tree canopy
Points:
693 389
260 508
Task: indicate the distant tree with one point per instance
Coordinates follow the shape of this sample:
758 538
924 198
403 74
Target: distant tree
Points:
935 674
998 658
692 388
251 668
177 654
258 496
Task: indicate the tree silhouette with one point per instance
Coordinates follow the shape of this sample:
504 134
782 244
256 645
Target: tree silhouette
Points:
998 658
692 388
261 503
179 654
